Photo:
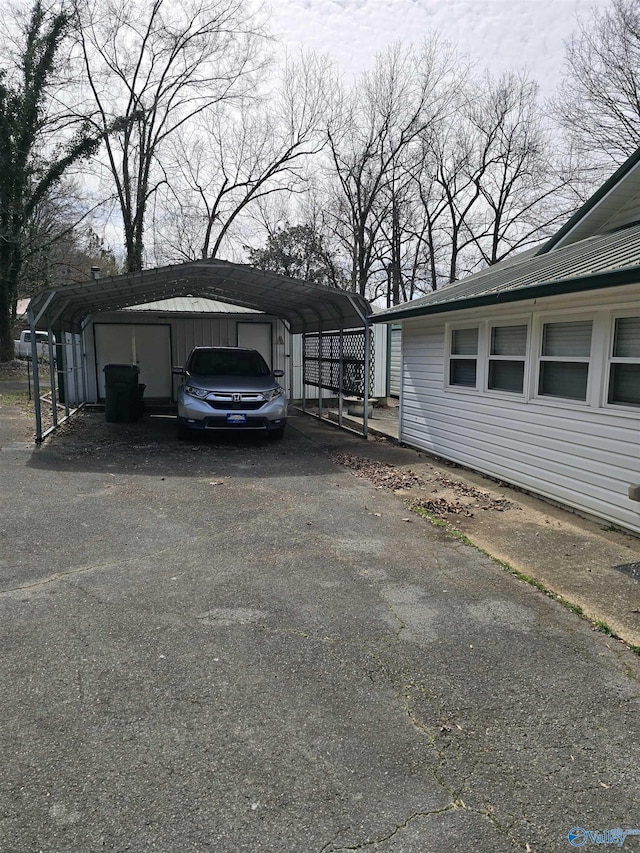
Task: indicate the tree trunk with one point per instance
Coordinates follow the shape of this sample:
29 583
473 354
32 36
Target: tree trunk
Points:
6 336
9 270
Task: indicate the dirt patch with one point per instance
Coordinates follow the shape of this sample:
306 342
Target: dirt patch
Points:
454 497
17 409
13 369
20 368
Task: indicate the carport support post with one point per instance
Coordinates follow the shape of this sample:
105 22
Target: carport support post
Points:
65 373
36 377
367 361
340 375
320 373
304 367
52 379
74 370
74 364
289 356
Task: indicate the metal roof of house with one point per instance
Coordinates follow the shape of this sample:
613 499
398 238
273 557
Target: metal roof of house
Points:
604 260
304 306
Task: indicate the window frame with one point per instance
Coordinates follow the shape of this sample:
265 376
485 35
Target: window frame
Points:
544 319
450 328
525 359
622 408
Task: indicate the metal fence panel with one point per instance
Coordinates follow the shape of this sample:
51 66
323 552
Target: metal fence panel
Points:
321 361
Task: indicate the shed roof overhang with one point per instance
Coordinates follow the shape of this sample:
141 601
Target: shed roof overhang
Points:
305 307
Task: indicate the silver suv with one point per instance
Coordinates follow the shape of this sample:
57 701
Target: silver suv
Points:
230 388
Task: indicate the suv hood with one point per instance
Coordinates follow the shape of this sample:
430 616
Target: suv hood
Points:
232 383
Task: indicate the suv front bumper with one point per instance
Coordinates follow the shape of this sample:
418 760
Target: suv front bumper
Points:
200 414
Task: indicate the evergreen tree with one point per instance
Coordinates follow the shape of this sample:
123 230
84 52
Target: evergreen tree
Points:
298 251
28 171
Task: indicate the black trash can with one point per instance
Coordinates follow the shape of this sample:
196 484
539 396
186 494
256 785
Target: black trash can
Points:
122 402
141 405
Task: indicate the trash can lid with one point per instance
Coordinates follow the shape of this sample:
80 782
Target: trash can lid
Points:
130 367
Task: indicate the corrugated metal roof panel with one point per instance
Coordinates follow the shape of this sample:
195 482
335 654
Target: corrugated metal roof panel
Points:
191 305
306 307
600 254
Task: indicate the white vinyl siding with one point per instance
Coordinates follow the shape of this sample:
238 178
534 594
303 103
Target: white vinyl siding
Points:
395 362
582 454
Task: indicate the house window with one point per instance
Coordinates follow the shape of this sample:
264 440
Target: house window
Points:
507 357
564 359
463 357
624 367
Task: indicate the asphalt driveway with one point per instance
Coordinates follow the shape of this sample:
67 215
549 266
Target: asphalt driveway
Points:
237 645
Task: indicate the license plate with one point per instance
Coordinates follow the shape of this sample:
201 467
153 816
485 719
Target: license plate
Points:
236 419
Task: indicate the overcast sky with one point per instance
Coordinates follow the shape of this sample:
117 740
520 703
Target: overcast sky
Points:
498 34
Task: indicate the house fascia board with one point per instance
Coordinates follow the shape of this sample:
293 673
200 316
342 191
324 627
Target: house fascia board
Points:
591 205
597 281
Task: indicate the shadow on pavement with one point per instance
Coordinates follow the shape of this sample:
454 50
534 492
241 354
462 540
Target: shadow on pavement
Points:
150 447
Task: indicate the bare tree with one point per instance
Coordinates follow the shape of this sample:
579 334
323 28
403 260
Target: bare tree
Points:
374 130
599 102
161 64
492 182
237 157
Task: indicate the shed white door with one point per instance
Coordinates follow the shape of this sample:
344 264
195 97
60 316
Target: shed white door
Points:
256 336
147 345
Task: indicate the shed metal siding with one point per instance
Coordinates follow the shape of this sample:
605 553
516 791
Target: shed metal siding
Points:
395 364
583 456
186 333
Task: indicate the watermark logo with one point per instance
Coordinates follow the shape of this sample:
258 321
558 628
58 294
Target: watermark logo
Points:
579 837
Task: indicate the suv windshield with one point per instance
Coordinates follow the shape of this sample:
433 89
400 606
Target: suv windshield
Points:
227 363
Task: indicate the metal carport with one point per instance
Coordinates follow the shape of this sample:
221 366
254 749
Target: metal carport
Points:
304 307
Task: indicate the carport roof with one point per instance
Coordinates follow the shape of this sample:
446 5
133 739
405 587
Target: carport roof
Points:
306 307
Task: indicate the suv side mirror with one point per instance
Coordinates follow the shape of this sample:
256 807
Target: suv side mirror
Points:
177 371
278 374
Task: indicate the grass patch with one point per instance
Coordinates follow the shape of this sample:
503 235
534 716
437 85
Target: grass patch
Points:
602 627
439 522
14 398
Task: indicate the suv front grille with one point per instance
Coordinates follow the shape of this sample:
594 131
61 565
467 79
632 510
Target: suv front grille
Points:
244 406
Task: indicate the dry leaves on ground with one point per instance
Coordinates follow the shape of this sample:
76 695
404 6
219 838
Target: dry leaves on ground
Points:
461 488
379 473
385 476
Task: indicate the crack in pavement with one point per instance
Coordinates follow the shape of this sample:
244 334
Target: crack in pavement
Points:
454 805
62 575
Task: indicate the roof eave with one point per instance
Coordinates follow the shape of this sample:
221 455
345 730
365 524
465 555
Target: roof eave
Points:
591 203
596 281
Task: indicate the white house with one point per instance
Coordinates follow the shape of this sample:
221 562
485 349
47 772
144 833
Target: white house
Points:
530 370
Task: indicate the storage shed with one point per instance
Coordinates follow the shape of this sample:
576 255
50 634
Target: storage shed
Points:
529 371
158 335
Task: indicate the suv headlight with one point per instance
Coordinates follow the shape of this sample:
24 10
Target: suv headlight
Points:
273 394
194 391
